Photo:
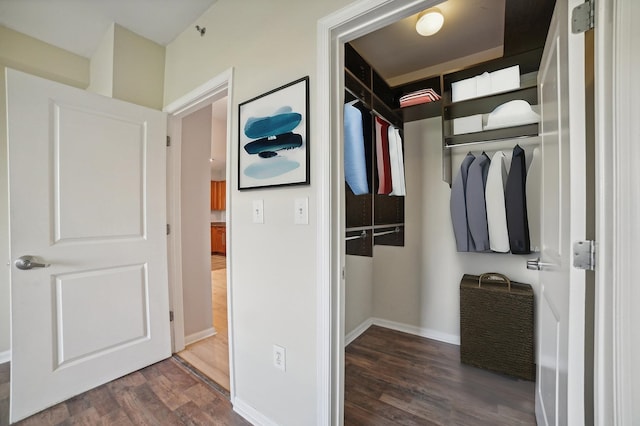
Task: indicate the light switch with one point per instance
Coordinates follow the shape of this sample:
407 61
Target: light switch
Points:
258 211
301 211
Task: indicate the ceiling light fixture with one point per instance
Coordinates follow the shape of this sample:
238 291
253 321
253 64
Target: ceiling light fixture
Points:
429 22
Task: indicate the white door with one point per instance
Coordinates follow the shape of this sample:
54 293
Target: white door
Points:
560 305
87 195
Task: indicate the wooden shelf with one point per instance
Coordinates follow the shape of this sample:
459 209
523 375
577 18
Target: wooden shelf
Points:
527 130
488 103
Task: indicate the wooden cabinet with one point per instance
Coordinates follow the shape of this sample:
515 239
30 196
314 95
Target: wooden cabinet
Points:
218 195
218 239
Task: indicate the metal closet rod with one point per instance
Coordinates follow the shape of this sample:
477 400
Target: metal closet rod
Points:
363 234
521 140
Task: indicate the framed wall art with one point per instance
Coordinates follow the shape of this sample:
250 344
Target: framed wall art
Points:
274 138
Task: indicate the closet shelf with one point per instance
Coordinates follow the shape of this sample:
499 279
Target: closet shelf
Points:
528 130
488 103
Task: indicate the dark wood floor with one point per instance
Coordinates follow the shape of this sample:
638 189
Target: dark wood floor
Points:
393 378
165 393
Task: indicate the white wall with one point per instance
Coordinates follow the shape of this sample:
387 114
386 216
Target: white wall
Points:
128 67
26 54
273 265
358 289
196 234
418 285
138 69
101 65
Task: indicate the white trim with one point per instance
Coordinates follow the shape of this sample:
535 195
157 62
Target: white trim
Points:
357 332
617 91
418 331
604 394
334 30
200 335
5 357
251 415
174 240
201 96
405 328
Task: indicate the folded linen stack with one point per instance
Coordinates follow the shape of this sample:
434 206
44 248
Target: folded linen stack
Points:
419 97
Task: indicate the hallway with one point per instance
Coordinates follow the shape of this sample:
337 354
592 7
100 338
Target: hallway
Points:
211 355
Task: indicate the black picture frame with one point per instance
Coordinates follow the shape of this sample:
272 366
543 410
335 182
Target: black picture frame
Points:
273 138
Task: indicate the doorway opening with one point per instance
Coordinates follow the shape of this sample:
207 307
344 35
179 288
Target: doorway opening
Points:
200 216
343 28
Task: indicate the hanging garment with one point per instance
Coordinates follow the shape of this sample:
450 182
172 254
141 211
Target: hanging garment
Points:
534 183
516 204
355 168
476 205
396 159
367 128
496 209
458 206
385 184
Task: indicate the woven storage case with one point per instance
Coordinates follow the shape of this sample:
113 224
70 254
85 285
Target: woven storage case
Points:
496 325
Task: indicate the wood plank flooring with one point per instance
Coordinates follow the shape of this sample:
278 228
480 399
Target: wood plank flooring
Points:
393 378
211 355
165 393
4 393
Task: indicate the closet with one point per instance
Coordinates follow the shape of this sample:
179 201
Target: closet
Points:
409 280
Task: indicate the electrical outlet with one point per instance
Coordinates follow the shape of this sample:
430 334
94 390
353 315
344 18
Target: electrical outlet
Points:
258 211
301 211
279 357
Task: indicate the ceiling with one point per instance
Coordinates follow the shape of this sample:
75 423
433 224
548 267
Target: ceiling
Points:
400 55
474 31
79 25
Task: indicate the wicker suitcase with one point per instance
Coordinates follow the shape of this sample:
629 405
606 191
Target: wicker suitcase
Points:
496 325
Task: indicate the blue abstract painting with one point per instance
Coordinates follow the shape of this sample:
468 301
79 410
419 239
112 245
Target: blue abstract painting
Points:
273 137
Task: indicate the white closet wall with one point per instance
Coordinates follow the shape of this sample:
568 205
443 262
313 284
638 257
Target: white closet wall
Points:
416 287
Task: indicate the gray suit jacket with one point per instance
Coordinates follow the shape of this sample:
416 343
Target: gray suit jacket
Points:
476 206
458 207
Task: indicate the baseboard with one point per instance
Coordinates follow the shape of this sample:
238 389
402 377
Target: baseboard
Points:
355 333
250 414
192 338
5 357
405 328
418 331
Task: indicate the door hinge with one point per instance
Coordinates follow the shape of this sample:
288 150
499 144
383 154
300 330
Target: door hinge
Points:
170 316
168 140
584 255
168 229
583 17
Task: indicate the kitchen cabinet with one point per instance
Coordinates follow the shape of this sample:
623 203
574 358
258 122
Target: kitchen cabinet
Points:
218 195
218 239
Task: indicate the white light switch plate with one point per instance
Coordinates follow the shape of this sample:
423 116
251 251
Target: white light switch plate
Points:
301 211
258 211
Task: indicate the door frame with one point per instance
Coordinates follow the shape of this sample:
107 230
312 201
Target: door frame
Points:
349 23
612 399
617 204
202 96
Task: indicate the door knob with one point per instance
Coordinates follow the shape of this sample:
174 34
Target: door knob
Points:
536 265
29 262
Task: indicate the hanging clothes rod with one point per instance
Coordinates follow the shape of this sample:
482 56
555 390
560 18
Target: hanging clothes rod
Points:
395 231
370 107
526 140
362 235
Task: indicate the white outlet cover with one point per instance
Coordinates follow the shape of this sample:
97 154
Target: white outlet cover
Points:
279 357
301 211
258 211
